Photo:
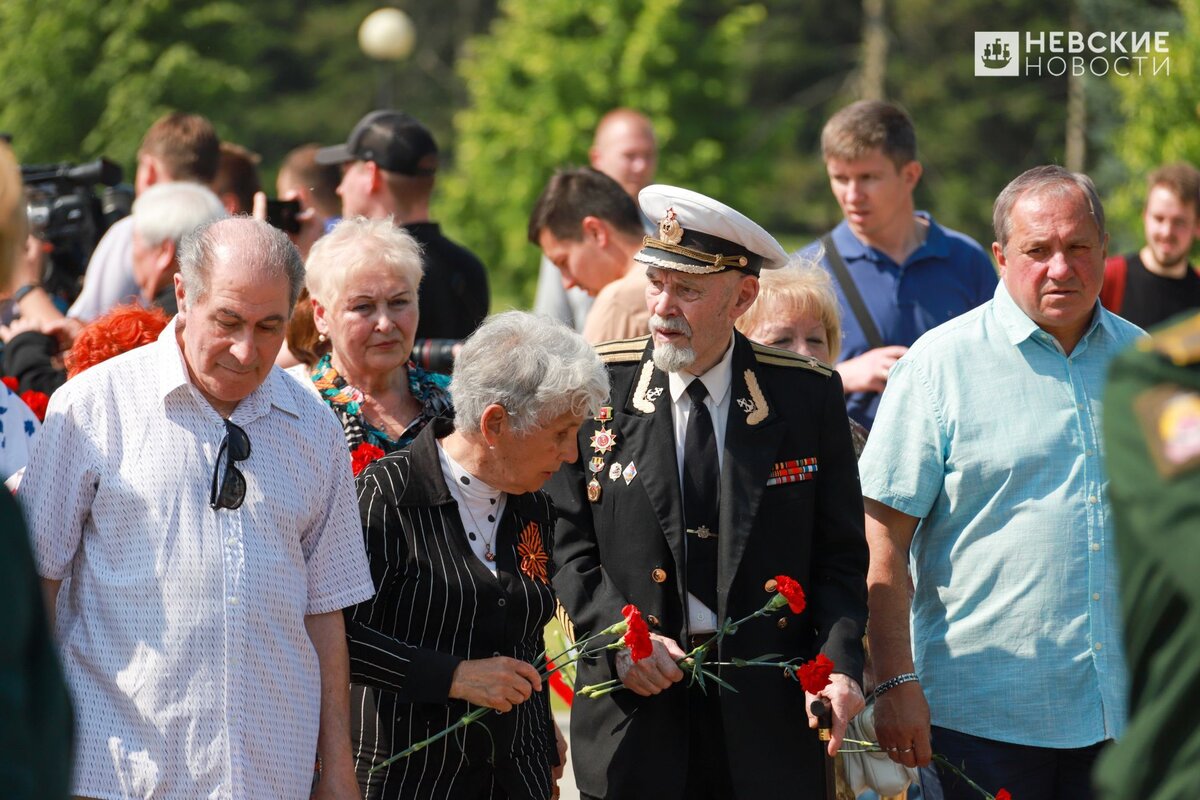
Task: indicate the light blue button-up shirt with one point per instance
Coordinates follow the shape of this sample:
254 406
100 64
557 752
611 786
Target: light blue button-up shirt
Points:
990 434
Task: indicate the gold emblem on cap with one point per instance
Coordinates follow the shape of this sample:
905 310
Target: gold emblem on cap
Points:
669 230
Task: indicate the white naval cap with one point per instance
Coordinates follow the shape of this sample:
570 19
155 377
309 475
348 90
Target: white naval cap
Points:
702 236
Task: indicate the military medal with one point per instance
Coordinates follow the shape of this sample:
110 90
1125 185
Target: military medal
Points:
614 471
597 464
603 440
605 414
629 474
593 489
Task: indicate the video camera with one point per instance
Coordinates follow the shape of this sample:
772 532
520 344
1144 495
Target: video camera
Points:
65 211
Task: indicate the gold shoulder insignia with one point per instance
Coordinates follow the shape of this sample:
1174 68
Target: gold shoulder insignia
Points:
622 350
786 358
638 342
1180 342
620 357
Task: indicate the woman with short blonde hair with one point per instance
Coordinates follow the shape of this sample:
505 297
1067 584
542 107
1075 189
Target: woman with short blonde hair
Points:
363 279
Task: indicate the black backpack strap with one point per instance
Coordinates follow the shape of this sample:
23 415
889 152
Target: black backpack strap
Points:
850 290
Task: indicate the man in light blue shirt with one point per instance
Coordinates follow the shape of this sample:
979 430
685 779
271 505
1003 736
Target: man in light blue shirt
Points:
984 468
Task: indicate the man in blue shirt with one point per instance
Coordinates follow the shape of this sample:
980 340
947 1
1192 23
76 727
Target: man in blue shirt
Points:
910 273
986 461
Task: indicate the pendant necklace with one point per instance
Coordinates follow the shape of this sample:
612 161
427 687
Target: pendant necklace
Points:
489 554
459 479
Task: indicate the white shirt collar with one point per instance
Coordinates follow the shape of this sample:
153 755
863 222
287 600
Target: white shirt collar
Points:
716 380
277 389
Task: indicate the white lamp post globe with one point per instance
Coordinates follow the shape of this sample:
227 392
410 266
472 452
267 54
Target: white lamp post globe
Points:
387 34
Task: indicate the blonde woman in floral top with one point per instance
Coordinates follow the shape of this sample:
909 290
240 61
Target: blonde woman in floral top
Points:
363 278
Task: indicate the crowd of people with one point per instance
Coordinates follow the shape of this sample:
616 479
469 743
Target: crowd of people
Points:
296 504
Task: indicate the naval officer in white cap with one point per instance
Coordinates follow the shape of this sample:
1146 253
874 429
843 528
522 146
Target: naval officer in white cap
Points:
716 465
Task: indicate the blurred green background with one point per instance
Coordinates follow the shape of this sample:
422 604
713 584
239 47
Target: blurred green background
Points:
512 90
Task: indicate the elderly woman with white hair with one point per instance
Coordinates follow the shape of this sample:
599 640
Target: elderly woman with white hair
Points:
363 278
458 535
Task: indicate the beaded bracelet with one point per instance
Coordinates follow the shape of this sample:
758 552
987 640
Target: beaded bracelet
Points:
892 683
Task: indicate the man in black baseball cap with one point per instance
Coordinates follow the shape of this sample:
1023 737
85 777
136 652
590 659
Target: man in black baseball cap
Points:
393 140
388 168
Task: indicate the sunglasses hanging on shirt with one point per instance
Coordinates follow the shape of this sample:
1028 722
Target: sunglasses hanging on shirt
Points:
229 484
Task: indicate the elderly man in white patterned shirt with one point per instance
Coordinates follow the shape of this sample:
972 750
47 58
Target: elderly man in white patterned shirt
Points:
202 505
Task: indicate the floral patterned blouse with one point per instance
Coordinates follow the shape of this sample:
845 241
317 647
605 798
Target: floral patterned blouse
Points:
366 442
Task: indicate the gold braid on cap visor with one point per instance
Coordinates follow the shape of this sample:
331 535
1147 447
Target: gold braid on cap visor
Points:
712 263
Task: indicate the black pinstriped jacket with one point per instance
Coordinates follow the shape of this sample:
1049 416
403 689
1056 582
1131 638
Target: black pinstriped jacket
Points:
436 605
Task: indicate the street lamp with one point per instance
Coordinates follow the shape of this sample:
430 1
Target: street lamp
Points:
387 35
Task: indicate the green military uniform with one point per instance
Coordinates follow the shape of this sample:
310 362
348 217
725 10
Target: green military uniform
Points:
1152 435
35 712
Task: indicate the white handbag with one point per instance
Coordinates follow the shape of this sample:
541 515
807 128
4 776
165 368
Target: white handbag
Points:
873 771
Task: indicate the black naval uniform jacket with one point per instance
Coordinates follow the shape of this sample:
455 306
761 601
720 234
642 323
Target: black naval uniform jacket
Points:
628 547
436 605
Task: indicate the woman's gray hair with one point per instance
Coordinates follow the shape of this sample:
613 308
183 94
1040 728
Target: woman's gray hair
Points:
1049 179
532 365
360 242
257 248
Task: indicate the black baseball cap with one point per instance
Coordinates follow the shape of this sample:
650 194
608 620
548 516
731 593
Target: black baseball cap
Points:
395 141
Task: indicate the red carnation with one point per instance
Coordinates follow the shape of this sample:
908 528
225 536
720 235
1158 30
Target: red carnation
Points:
1003 795
37 402
791 592
10 382
814 676
637 637
362 455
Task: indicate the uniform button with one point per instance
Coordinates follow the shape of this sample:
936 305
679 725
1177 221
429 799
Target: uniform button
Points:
233 601
781 623
770 585
231 540
659 575
1099 646
495 652
501 602
1093 499
1090 452
1095 595
1095 546
653 620
699 616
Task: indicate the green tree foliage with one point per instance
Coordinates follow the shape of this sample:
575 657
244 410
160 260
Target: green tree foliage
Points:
1160 122
548 71
83 79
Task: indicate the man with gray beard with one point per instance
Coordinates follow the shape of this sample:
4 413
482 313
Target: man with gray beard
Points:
718 465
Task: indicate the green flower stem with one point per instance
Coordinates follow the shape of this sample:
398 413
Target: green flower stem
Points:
464 721
580 649
600 689
874 747
750 663
945 762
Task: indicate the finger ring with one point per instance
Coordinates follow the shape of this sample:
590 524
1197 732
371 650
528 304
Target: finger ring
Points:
907 750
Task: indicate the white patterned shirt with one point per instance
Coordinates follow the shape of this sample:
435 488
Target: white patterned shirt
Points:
182 628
